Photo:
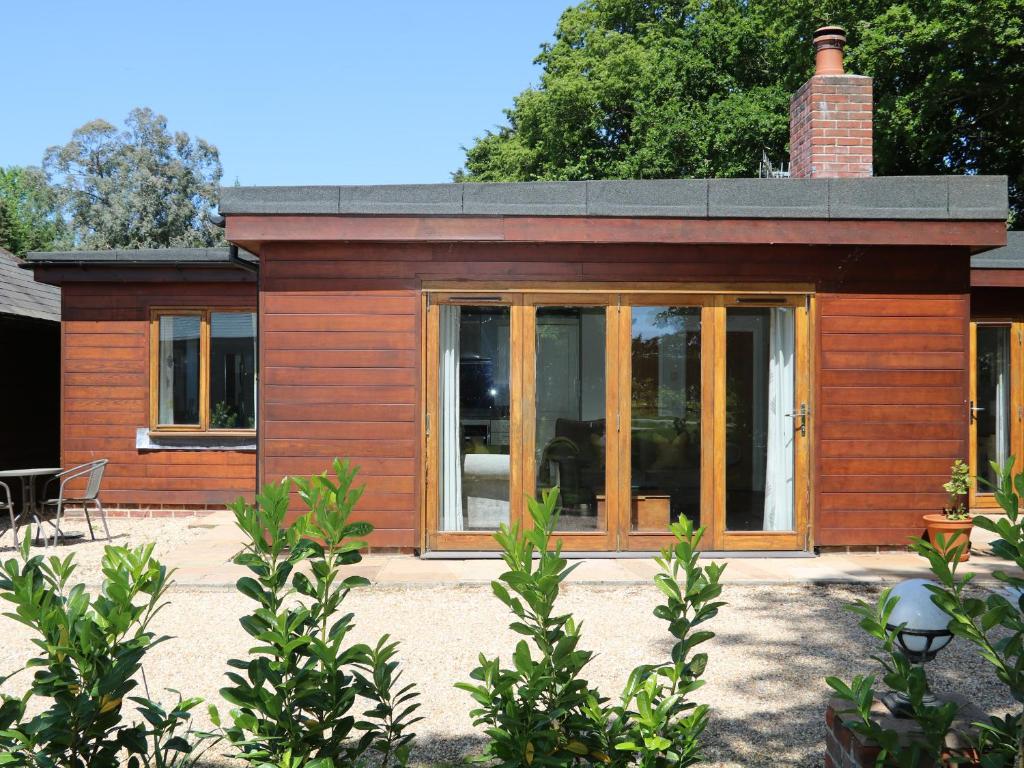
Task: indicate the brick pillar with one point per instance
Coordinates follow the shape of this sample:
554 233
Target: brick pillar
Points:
830 117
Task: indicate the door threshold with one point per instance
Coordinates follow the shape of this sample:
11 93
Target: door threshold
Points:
741 554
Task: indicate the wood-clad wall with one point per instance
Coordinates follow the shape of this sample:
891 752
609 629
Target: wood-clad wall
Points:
341 362
892 416
105 370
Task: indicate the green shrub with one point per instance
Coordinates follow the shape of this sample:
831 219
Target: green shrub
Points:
994 624
90 653
542 711
657 726
297 692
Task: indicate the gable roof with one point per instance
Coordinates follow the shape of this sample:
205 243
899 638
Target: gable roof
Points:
21 295
1010 256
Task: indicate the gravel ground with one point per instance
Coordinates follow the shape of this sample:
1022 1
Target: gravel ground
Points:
765 677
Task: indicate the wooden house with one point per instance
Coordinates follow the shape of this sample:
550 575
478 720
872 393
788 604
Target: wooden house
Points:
783 360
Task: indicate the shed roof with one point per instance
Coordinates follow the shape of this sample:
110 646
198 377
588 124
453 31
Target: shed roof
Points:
124 257
21 295
943 198
1010 256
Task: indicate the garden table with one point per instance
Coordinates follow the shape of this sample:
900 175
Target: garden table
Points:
29 505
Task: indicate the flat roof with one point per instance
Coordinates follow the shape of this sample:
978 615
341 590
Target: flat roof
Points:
142 257
1010 256
943 198
21 295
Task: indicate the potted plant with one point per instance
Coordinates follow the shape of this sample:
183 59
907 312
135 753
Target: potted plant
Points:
955 523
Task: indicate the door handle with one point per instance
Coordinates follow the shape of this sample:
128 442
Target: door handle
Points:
974 410
802 415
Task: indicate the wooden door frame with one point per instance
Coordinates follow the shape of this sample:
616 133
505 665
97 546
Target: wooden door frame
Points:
647 541
618 301
574 541
433 537
799 537
985 501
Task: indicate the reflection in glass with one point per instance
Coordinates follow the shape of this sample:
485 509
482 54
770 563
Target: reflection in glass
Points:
993 391
474 417
232 370
759 370
570 404
666 402
178 400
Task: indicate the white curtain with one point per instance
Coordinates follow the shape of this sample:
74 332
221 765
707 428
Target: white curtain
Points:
778 491
1002 404
166 353
451 460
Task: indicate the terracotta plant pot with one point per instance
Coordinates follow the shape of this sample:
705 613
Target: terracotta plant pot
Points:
955 532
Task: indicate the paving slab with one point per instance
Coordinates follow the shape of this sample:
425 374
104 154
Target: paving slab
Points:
207 563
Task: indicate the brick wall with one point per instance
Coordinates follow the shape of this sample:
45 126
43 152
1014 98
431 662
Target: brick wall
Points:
830 134
846 749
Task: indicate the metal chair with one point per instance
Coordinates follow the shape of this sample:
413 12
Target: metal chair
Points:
93 471
6 503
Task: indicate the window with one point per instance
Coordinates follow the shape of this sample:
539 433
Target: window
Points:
203 370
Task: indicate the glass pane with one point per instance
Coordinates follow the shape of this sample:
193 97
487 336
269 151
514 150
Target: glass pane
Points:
570 402
993 390
759 403
178 401
232 370
474 417
666 398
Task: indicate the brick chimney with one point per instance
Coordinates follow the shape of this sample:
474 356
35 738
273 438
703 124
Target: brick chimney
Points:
830 116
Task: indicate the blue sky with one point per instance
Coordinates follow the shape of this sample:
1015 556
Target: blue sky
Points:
291 92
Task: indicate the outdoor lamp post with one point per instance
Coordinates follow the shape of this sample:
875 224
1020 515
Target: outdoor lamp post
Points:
924 635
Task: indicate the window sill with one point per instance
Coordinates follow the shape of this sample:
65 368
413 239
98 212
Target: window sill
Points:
201 435
221 440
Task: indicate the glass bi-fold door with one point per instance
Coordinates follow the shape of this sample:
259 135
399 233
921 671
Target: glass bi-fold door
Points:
641 408
995 404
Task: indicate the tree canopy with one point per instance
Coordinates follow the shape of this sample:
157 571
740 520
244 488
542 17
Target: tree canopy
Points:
135 188
689 88
27 221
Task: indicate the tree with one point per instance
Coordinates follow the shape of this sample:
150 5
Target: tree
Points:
27 220
137 188
684 88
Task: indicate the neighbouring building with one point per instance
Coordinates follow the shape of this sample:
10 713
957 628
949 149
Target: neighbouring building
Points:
29 370
786 360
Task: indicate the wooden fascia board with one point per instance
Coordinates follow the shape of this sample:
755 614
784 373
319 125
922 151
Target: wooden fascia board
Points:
976 235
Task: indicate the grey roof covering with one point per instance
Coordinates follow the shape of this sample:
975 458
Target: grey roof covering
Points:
142 257
896 197
21 295
1010 256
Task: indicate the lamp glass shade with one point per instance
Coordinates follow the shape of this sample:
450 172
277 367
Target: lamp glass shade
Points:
916 609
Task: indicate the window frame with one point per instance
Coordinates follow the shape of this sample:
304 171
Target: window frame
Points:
203 427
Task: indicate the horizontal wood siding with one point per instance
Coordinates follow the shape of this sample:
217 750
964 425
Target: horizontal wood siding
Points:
340 379
341 372
105 368
892 393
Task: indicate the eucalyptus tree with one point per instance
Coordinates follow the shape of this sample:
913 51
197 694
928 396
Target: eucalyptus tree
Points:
142 186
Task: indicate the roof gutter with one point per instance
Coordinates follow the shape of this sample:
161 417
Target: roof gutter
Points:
238 261
219 221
